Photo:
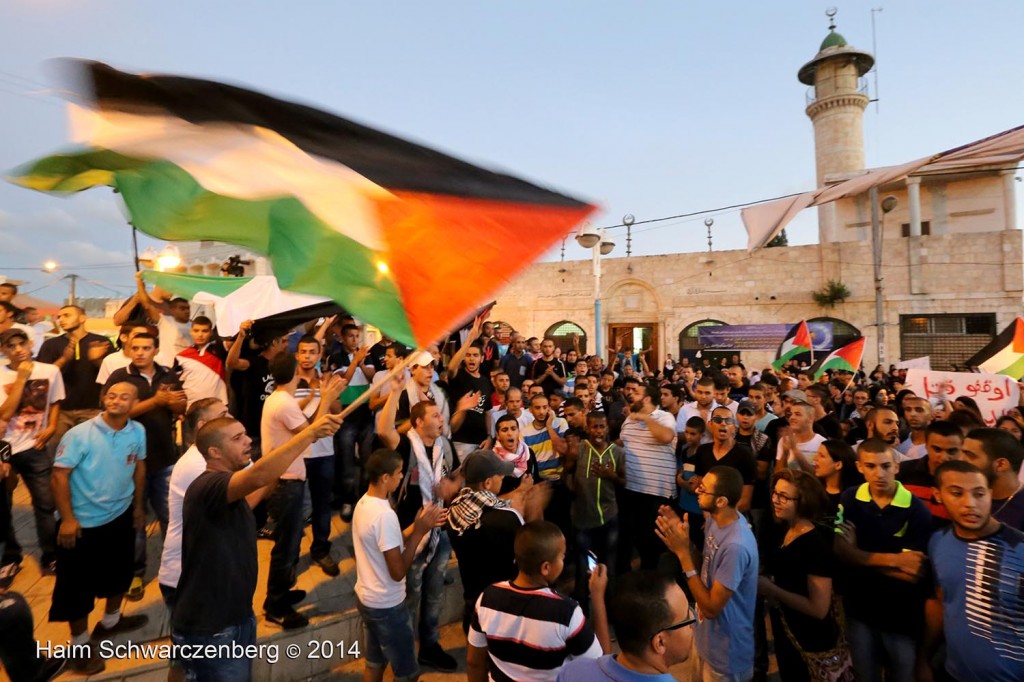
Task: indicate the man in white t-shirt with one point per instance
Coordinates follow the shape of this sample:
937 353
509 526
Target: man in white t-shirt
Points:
703 405
799 446
384 554
319 459
187 469
172 322
115 361
8 313
40 328
282 420
30 395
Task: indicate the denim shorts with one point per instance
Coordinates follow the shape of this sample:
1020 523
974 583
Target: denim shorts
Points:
388 638
227 669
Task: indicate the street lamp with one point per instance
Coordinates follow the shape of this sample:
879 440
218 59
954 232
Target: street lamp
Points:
600 244
169 258
887 205
50 265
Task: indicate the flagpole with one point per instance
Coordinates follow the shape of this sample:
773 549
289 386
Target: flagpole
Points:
400 367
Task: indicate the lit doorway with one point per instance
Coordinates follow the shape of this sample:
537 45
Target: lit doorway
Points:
634 338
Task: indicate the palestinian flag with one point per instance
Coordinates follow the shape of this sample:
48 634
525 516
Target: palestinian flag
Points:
404 237
845 359
797 342
237 299
1005 355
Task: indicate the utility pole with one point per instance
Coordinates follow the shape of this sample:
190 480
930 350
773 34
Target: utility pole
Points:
71 295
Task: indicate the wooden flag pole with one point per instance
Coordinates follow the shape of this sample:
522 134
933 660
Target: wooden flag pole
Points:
400 367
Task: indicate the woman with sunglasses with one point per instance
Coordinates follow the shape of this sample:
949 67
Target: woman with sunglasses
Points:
798 580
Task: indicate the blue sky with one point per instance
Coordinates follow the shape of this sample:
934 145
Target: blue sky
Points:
654 108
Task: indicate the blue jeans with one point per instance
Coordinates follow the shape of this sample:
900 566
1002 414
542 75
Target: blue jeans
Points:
347 474
285 505
158 487
35 467
387 638
320 477
602 541
233 668
872 651
424 590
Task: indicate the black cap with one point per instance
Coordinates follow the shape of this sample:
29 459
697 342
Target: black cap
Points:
746 406
482 464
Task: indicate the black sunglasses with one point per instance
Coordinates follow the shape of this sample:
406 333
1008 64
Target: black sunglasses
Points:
723 420
690 619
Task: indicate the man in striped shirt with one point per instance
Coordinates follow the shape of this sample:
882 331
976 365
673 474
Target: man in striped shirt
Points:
648 436
524 630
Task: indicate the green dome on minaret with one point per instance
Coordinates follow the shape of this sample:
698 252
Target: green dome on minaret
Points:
833 39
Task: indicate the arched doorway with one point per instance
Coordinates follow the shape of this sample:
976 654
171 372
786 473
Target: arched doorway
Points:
562 332
689 345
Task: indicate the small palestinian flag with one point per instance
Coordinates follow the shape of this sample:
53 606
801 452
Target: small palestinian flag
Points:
1005 354
797 342
845 359
404 237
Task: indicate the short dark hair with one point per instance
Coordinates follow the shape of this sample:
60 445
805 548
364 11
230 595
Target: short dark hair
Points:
720 382
706 380
597 416
382 461
212 434
418 412
178 299
728 483
769 379
573 402
346 328
155 338
967 420
80 309
202 321
813 500
999 444
504 419
535 396
676 390
536 543
9 285
959 466
875 445
282 368
943 428
309 338
8 306
697 423
638 609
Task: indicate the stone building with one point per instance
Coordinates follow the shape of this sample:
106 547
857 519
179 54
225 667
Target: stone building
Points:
951 264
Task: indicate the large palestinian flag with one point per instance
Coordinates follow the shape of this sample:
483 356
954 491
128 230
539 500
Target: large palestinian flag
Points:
844 359
797 342
1005 354
404 237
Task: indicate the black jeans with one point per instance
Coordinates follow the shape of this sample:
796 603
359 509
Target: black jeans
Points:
285 505
17 645
637 513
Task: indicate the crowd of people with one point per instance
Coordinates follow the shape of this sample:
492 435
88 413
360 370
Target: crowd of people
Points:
866 532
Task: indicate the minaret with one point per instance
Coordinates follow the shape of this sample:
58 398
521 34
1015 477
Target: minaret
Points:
836 109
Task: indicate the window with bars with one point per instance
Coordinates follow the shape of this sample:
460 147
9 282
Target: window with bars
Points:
562 333
948 339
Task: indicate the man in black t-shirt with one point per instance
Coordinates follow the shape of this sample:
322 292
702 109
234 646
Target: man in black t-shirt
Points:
469 426
723 450
78 354
249 362
218 552
548 371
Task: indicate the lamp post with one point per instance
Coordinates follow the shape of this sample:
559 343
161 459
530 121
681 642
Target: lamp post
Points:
600 244
877 221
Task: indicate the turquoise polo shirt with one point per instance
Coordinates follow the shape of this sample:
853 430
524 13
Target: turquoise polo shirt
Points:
102 463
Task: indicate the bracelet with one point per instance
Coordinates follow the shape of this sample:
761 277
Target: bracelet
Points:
691 574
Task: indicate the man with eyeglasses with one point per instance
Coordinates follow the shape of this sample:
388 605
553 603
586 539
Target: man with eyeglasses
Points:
653 622
725 590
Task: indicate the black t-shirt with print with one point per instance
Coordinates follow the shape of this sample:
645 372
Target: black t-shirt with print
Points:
474 427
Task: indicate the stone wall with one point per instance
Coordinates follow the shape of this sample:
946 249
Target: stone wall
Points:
956 273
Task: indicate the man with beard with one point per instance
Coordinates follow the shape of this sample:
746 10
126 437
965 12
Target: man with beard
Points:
918 413
882 533
977 544
469 425
648 436
702 405
517 361
725 590
999 455
548 371
884 424
77 354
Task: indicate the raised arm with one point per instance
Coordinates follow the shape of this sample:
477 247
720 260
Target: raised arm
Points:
386 419
456 362
234 360
153 311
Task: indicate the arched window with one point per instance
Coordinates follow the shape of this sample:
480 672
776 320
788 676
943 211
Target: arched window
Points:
562 332
689 345
836 333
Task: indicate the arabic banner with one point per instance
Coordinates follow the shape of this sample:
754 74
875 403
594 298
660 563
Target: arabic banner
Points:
759 336
994 393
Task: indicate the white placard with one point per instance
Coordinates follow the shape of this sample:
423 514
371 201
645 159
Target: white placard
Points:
994 393
916 363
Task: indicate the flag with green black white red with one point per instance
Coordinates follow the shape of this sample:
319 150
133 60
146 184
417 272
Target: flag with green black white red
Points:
844 359
797 342
404 237
1005 354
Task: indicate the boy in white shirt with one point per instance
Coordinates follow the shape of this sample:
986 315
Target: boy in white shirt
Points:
384 553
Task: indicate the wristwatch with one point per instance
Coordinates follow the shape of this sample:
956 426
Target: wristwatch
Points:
690 574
